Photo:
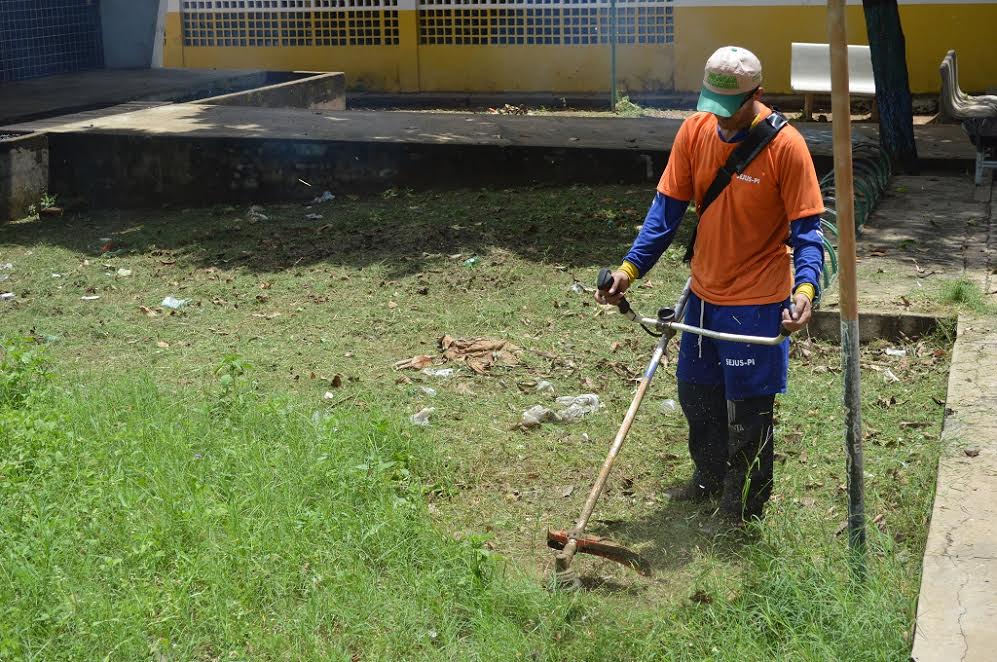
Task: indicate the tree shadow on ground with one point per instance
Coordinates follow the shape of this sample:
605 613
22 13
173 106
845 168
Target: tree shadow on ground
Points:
405 231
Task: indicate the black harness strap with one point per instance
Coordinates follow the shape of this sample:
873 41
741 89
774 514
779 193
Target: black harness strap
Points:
758 139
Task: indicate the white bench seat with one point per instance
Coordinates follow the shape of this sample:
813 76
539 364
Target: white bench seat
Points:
810 72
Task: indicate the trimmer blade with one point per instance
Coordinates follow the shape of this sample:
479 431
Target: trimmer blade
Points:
603 547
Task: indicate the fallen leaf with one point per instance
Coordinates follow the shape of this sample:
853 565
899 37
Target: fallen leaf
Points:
913 424
148 312
841 528
567 490
336 382
392 305
162 345
971 452
877 253
479 354
415 363
615 347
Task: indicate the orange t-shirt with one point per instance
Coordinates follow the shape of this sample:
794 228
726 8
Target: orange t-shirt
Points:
742 257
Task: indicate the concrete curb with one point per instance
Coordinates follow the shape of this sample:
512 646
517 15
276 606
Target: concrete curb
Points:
956 610
826 325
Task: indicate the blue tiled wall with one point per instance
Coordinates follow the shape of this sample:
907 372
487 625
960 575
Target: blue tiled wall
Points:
44 37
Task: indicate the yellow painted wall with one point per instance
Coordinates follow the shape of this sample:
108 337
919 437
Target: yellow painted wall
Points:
930 30
367 68
536 68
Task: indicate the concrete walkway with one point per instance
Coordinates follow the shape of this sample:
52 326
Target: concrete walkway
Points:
957 608
925 233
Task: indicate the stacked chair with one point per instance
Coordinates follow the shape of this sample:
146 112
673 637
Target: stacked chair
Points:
978 115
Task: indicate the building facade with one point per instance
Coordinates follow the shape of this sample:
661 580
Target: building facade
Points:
489 46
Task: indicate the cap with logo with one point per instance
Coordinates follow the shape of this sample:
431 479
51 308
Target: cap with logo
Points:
731 74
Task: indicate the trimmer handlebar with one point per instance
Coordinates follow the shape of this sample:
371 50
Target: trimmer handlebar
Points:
666 321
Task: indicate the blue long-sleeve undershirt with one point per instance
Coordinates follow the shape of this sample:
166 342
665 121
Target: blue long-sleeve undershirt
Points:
807 240
655 236
665 216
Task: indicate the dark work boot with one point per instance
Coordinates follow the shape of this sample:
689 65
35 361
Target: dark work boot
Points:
705 408
748 483
695 491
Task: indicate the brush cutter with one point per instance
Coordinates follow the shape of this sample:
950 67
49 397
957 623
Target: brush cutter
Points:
568 543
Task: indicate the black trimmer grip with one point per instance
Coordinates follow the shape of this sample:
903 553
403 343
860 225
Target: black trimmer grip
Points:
783 331
605 280
604 284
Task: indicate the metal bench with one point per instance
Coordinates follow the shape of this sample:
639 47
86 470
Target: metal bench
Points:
810 73
978 115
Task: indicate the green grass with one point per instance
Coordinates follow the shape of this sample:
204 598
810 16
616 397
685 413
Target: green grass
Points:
965 294
181 489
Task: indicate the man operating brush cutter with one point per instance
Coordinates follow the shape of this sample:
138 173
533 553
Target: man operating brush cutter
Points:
756 257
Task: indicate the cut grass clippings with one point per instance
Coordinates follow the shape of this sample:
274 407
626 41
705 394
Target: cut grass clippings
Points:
182 488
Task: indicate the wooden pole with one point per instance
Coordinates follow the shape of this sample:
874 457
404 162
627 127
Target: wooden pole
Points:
845 199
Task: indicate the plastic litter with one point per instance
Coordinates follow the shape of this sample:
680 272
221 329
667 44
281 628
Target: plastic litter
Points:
574 408
544 387
428 390
8 296
92 297
6 266
173 303
256 214
313 217
577 288
325 197
4 277
422 416
536 415
889 376
669 407
471 261
442 373
893 351
123 273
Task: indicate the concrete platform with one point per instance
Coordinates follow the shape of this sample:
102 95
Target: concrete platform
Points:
71 93
935 142
196 153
